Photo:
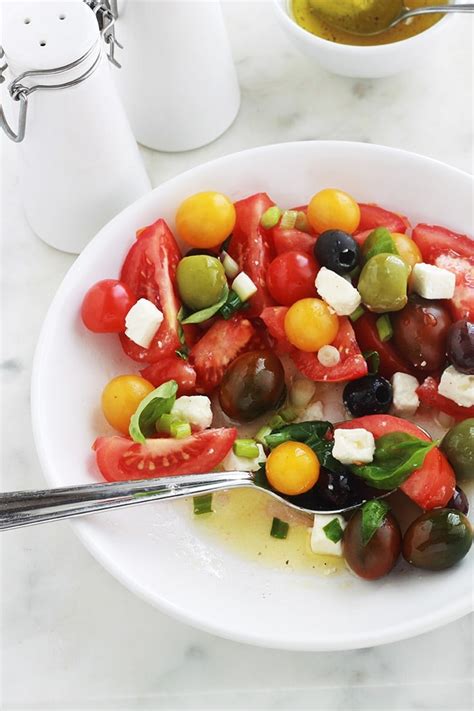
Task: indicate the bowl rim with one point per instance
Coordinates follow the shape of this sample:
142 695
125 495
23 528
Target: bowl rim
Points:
456 609
351 49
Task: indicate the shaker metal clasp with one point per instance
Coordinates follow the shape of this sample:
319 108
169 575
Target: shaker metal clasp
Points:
106 14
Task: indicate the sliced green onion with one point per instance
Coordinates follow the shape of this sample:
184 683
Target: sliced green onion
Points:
180 430
262 433
302 222
244 287
355 315
270 217
231 267
233 304
182 352
202 504
333 530
163 425
276 422
288 414
247 448
384 328
288 219
373 361
279 529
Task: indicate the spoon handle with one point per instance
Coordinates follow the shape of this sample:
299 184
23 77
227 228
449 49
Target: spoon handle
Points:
26 508
443 9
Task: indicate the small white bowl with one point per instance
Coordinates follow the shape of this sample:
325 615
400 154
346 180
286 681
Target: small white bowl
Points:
159 551
363 62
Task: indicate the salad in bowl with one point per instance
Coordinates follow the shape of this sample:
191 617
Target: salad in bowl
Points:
240 342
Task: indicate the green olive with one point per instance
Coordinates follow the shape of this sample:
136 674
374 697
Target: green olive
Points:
438 539
383 283
201 280
458 446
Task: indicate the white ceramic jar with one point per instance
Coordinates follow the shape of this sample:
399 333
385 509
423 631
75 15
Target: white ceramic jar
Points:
178 80
79 162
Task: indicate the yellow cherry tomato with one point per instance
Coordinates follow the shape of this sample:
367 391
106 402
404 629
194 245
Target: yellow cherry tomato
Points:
205 219
407 249
310 325
121 397
332 209
292 468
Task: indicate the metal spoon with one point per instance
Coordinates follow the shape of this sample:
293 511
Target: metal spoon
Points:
26 508
373 18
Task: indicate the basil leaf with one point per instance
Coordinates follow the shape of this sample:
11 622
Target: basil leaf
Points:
313 434
209 312
181 336
157 403
333 530
379 241
397 455
298 432
373 515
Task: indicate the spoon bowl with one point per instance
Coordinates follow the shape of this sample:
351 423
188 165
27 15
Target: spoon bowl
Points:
372 17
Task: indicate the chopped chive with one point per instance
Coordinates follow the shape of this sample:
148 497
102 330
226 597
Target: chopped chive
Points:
247 448
333 530
355 315
234 303
182 353
288 414
302 222
202 504
384 328
270 217
180 430
163 425
276 422
288 219
373 361
262 433
279 529
231 267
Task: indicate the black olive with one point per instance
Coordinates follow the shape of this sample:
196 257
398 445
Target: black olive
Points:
459 501
337 251
369 395
461 346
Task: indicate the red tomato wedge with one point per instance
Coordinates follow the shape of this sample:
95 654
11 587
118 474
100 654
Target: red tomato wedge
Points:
120 459
430 486
351 366
372 216
252 248
172 368
455 252
429 396
286 240
274 319
149 271
368 339
218 347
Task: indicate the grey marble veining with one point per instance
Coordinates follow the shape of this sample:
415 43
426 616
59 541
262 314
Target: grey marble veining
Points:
71 636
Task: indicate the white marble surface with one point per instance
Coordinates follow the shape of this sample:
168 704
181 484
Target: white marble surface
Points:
71 636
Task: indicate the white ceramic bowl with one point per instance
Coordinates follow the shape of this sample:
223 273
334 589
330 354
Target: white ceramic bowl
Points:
155 550
364 62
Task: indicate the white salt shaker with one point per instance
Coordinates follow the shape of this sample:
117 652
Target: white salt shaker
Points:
178 81
79 162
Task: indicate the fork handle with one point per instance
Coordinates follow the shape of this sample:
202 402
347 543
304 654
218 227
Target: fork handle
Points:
26 508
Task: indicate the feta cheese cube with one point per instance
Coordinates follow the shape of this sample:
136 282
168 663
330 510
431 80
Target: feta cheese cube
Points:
457 386
353 446
336 291
195 409
142 322
244 286
243 464
405 399
320 543
329 356
431 282
314 411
